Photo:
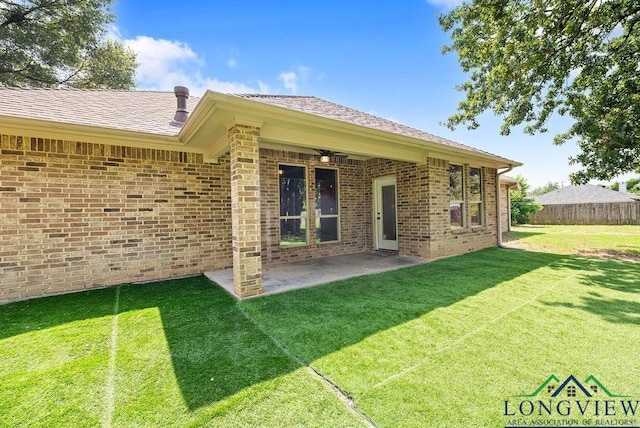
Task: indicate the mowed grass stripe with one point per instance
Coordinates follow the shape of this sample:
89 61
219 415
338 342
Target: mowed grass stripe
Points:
446 345
110 389
54 355
412 311
565 323
555 334
185 356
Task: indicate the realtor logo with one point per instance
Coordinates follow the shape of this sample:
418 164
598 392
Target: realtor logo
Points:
556 403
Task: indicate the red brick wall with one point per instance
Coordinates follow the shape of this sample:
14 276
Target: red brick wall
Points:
443 240
78 215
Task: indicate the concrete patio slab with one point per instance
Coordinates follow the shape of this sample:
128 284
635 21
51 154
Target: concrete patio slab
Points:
308 273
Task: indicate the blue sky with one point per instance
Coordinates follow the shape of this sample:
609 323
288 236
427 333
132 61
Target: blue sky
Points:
380 57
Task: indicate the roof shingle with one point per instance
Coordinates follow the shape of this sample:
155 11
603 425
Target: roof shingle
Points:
151 112
327 109
139 111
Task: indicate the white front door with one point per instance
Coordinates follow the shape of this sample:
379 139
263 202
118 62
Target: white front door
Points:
385 214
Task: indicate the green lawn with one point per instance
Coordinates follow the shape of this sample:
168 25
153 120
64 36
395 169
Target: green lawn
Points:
608 241
178 353
440 344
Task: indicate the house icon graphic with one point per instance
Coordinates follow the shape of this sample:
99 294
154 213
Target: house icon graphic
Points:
571 387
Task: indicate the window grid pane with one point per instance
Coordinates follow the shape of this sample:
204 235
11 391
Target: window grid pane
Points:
475 213
456 211
456 183
327 215
475 190
456 196
475 184
293 205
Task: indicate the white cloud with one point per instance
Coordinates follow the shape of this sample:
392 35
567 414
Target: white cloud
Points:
164 64
113 33
290 79
264 88
448 4
303 72
158 57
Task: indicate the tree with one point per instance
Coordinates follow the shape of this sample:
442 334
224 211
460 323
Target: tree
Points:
633 185
549 187
521 204
53 43
529 59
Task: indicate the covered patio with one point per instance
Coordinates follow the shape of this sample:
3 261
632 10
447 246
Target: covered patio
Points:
279 278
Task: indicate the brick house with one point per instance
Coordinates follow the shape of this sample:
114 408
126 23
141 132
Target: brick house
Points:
103 187
506 185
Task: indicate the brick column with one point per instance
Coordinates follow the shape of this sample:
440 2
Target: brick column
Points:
245 209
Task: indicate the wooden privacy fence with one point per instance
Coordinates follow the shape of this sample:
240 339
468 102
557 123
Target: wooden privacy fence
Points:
603 213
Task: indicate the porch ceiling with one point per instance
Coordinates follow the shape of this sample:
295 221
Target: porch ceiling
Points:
206 131
278 131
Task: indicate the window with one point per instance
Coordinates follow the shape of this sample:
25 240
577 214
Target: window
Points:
475 192
571 391
456 196
327 216
293 205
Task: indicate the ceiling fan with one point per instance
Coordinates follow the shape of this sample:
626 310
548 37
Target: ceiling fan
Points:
326 155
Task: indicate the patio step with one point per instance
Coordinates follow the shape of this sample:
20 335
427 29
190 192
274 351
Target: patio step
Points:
386 253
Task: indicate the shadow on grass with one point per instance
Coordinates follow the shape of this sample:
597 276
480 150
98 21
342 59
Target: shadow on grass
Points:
203 327
208 335
322 320
619 311
513 235
613 275
207 332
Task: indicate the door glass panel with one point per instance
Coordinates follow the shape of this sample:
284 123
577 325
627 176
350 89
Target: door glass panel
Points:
389 213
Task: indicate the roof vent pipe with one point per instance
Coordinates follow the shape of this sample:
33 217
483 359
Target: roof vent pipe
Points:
182 93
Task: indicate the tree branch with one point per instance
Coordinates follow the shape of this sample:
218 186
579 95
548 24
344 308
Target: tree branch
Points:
631 25
568 42
18 16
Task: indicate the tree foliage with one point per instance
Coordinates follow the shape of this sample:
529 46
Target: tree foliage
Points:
53 43
633 185
529 59
522 205
549 187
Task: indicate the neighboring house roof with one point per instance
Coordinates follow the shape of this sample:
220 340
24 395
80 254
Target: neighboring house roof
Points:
510 182
144 119
583 194
138 111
